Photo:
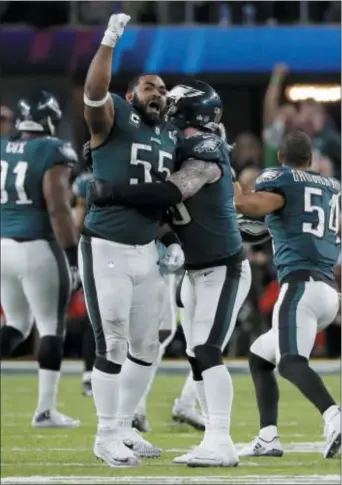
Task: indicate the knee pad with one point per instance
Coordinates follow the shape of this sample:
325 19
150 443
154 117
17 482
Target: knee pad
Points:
10 338
288 365
208 356
147 352
116 351
195 369
50 352
257 363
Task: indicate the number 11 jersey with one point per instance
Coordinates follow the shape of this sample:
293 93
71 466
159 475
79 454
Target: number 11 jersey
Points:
305 231
24 163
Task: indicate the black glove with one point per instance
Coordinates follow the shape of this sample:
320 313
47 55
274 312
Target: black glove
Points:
86 154
99 193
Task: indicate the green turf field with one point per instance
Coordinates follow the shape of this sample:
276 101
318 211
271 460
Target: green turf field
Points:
65 456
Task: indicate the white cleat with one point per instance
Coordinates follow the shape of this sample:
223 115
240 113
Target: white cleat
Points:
223 456
260 447
141 447
53 419
332 434
184 459
115 453
188 415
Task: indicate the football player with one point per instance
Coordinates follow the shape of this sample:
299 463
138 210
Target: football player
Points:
38 245
201 194
302 209
131 143
79 190
184 408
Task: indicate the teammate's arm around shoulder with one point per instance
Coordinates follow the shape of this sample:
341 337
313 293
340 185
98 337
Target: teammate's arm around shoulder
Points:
98 103
193 175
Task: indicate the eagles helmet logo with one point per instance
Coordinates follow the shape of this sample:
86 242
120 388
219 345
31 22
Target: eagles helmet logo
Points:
209 145
183 91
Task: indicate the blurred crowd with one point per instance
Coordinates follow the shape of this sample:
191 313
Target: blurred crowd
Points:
251 154
224 13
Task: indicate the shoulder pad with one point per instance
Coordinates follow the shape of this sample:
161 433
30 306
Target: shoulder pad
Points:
60 152
206 147
271 178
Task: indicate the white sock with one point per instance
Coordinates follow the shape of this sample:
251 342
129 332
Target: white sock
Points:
219 396
134 379
330 412
48 389
200 391
106 395
141 408
86 376
188 395
268 433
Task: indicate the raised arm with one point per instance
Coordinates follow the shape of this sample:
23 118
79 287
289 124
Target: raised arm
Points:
181 185
98 103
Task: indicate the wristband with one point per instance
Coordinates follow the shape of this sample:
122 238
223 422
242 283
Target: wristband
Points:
109 39
71 254
169 238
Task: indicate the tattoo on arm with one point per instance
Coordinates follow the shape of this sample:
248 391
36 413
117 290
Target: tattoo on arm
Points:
193 175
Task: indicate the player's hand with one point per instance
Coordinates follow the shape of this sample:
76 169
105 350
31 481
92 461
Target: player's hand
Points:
115 29
75 278
281 69
173 259
99 193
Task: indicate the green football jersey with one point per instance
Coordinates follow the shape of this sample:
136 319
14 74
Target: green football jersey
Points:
305 230
23 166
134 152
207 222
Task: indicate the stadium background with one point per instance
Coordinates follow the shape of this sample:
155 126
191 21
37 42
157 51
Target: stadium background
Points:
260 56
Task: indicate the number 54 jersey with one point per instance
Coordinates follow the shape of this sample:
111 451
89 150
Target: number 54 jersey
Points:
23 166
305 231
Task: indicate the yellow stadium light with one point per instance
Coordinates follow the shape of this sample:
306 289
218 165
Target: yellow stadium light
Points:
329 93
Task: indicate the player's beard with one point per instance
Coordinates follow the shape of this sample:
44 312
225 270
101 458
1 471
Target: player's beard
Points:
142 109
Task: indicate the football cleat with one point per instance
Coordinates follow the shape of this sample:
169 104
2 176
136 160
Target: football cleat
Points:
184 459
115 453
140 423
332 434
53 419
188 415
141 447
219 456
87 389
260 447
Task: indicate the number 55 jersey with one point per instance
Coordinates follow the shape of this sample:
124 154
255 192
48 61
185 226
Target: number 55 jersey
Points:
305 231
24 163
134 152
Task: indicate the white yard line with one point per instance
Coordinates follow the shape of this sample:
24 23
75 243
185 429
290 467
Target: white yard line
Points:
294 447
167 480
